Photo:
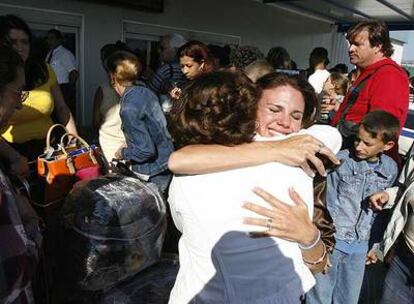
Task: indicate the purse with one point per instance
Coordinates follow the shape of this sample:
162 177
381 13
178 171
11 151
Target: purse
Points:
73 160
79 161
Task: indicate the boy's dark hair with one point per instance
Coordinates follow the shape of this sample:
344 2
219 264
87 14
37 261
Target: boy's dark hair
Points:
382 123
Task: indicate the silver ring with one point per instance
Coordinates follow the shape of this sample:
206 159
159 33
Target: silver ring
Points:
269 223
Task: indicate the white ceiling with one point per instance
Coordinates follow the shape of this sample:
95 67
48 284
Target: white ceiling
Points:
397 13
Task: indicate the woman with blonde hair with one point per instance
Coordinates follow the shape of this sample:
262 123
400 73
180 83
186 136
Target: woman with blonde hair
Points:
148 143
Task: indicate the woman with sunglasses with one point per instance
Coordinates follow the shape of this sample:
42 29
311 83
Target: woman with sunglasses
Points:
28 127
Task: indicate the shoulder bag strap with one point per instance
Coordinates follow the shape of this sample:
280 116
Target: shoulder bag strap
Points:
355 93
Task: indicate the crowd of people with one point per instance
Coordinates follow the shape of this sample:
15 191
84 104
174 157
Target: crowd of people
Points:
276 178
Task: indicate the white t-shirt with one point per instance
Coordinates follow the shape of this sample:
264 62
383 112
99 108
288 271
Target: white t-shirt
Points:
219 261
317 79
62 62
111 137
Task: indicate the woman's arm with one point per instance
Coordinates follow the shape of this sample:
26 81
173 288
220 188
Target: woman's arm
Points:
297 151
291 223
62 110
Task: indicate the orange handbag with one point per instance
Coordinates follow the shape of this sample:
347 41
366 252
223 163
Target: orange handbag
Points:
63 164
73 160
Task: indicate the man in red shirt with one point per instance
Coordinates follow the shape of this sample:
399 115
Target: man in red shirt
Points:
382 83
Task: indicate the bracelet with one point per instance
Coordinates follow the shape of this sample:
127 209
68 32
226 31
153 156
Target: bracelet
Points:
313 244
318 260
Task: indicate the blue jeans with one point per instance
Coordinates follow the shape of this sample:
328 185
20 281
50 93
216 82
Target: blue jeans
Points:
343 281
162 181
399 283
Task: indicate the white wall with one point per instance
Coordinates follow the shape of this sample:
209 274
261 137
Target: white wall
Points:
255 23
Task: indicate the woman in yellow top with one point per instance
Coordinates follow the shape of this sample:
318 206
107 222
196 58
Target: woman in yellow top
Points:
28 127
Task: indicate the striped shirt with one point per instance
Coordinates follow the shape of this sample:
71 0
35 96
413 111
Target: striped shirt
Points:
167 73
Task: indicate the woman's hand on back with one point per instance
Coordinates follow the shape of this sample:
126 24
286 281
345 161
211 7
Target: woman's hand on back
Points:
301 150
289 222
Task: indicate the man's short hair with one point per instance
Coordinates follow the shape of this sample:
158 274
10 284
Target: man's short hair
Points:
382 123
175 40
317 56
378 34
58 34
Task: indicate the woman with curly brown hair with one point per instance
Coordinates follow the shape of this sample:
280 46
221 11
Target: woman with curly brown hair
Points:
220 262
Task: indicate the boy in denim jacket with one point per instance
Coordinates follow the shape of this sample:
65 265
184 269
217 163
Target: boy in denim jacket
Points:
364 170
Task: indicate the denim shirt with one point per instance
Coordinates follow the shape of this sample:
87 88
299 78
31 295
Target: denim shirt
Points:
348 189
149 144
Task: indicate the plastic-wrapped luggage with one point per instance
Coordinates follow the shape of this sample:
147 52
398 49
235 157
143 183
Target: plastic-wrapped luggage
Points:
152 286
113 227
